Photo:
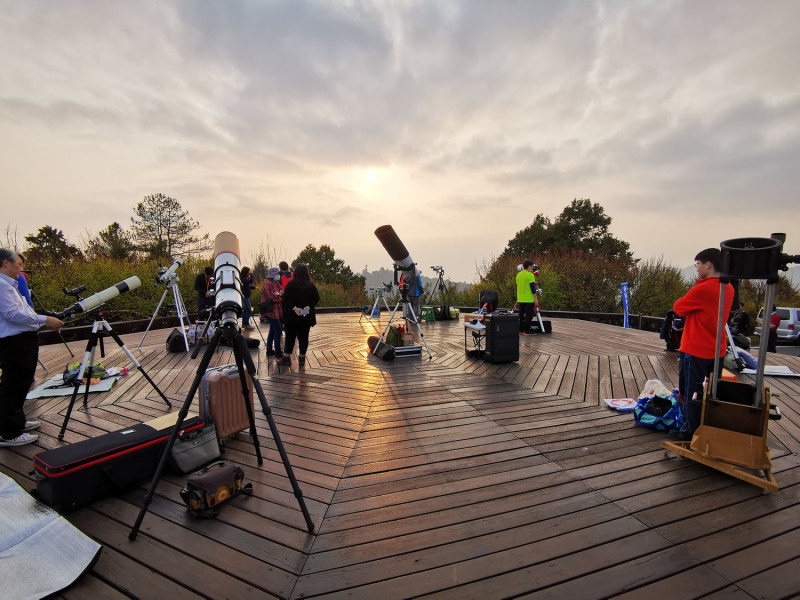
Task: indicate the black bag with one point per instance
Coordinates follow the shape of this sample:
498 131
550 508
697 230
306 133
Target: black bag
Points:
195 448
207 489
76 474
266 307
175 342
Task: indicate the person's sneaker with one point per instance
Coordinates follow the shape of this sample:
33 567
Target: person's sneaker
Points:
31 425
249 327
681 436
278 354
22 439
285 360
301 360
271 353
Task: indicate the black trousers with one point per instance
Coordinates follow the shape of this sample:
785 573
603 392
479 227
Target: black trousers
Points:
18 355
297 331
526 312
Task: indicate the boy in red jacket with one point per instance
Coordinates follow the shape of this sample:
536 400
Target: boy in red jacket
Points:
700 307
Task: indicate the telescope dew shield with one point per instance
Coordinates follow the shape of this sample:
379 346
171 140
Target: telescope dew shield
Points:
95 300
227 282
396 249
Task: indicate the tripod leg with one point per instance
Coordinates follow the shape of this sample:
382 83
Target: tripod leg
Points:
239 350
419 329
135 362
180 307
158 307
265 408
89 352
201 369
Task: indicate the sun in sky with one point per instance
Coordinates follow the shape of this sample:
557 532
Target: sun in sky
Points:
370 176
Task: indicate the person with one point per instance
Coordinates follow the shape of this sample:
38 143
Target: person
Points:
205 293
272 292
740 325
24 289
700 310
526 299
248 281
286 273
772 336
414 291
19 351
300 299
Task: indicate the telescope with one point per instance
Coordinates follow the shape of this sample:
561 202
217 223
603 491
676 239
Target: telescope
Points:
165 275
95 300
227 283
396 249
438 268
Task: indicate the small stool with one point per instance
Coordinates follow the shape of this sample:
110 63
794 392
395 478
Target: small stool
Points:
427 314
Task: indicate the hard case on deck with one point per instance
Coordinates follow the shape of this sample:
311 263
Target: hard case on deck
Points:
502 338
221 400
77 474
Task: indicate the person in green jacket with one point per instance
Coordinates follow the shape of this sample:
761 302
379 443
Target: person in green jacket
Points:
526 295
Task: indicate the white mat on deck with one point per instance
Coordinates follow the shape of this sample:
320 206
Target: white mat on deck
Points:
774 371
41 553
55 387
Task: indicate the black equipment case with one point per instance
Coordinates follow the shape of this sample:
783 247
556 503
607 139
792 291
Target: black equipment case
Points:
77 474
502 337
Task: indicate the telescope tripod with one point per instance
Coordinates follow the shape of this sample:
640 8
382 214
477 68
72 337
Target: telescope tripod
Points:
179 306
407 308
376 307
99 330
242 358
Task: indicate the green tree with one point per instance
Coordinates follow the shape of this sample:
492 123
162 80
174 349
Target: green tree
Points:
582 225
162 229
654 286
326 268
113 243
48 246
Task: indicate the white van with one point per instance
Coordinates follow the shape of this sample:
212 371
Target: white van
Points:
789 329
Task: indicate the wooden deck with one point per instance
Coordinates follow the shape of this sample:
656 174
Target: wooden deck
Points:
443 478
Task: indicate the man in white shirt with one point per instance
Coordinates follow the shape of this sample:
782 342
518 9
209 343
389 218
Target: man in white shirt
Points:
19 351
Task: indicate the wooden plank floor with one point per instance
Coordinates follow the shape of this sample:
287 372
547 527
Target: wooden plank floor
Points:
442 478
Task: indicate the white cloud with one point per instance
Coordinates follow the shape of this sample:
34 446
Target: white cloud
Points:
262 117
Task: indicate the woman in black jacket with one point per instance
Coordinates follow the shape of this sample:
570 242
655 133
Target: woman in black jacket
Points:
300 299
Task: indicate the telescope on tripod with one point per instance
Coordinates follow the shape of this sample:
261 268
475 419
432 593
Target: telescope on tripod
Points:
402 263
170 277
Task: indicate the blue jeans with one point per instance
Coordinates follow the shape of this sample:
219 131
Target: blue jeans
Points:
274 336
247 311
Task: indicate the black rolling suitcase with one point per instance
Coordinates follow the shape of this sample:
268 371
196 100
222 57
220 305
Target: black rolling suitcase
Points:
77 474
502 338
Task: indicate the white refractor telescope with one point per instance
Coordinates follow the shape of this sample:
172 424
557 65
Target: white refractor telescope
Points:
227 283
95 300
169 274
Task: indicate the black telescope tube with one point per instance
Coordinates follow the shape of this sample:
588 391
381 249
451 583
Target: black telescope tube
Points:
396 249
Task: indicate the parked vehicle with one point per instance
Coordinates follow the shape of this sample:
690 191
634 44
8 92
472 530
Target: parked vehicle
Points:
789 329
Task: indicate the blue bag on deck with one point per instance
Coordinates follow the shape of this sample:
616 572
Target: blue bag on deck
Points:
660 410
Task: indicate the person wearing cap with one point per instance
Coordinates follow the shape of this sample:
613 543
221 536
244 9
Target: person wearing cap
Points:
270 309
19 351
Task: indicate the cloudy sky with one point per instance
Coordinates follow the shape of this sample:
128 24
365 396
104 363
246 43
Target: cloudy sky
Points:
293 122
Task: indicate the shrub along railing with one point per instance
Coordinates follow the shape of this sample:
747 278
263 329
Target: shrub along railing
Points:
82 332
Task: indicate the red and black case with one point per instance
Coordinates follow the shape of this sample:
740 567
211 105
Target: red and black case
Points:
77 474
